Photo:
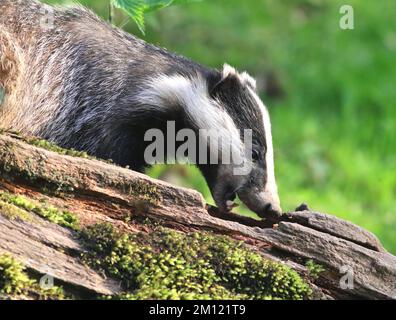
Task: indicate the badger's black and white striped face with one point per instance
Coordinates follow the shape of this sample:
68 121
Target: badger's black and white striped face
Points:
225 103
236 93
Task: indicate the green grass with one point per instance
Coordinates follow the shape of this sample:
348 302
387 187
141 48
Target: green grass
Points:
335 126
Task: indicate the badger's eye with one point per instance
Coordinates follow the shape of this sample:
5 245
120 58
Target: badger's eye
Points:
255 155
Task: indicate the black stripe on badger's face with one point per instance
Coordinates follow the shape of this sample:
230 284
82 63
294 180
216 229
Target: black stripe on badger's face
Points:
236 94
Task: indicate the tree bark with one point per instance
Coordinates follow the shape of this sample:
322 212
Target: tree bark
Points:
98 191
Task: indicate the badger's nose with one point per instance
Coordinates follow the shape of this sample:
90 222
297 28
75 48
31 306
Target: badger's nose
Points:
272 210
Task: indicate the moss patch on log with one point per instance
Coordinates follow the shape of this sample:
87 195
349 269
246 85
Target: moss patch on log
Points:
51 146
314 269
145 192
14 206
44 144
12 212
16 283
167 264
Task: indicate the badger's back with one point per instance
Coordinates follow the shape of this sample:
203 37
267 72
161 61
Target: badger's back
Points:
70 77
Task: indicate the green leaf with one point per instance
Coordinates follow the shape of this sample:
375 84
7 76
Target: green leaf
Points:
152 5
137 8
134 8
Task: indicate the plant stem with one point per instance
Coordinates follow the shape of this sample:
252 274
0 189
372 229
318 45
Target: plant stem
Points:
111 11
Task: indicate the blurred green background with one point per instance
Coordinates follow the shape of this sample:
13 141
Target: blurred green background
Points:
331 94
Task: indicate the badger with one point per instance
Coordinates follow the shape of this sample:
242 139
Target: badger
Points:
82 83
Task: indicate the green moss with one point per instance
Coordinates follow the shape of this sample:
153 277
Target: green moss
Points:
12 278
170 265
314 269
61 217
14 282
12 212
146 193
44 144
47 145
8 158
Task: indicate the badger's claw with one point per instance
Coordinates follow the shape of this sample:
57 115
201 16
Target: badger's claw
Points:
231 205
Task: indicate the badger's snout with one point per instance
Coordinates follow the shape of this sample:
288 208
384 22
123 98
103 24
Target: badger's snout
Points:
261 199
265 204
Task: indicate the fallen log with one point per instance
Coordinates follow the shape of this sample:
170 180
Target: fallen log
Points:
98 191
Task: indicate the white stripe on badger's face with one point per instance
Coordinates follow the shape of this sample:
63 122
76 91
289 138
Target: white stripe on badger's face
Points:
271 187
192 95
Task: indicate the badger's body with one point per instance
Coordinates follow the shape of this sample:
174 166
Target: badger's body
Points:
75 80
76 83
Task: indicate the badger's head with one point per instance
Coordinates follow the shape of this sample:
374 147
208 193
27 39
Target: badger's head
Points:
226 104
246 121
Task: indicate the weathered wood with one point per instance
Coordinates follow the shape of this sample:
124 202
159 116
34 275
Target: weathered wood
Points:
337 227
299 236
37 166
374 273
48 249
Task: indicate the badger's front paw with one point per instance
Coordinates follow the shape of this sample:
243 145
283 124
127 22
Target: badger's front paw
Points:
230 205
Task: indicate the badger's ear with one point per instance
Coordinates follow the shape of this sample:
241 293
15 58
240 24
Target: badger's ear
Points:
228 79
243 77
229 71
248 80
